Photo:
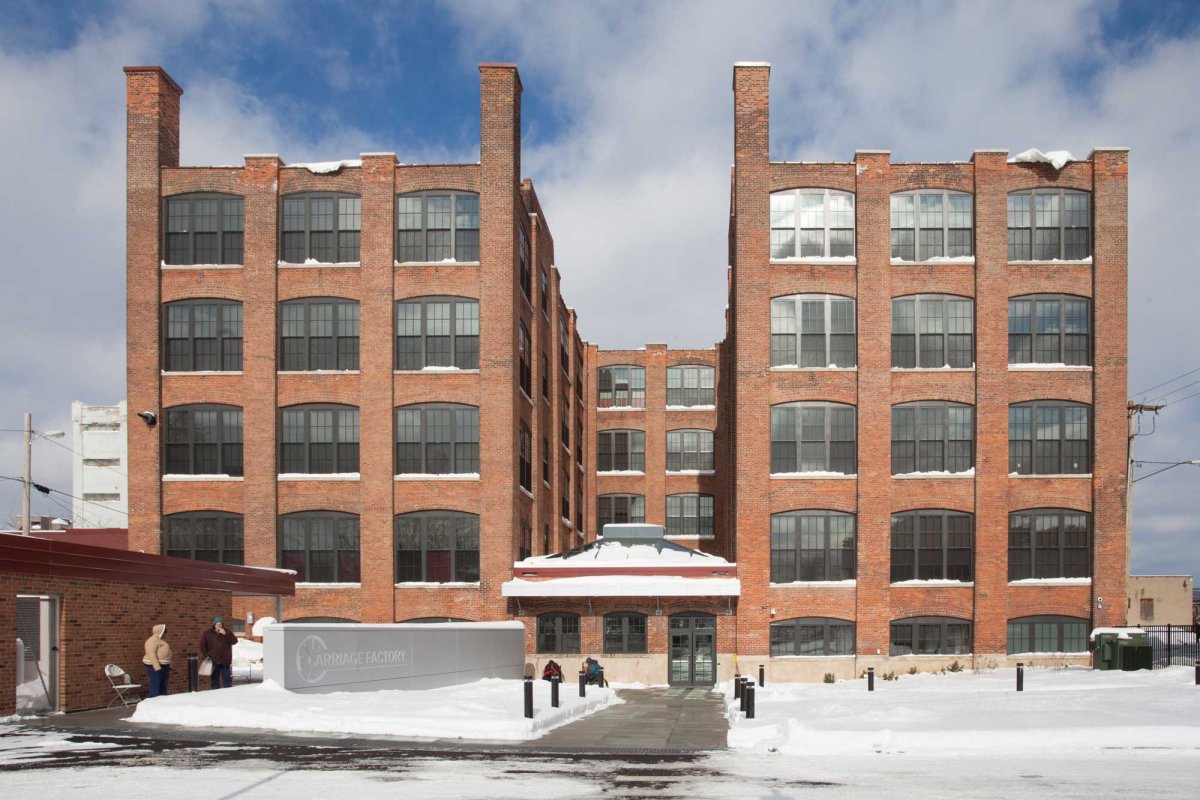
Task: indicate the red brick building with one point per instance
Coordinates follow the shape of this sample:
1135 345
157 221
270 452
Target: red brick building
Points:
909 448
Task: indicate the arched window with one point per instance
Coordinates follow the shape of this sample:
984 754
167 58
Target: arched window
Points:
437 547
318 439
691 385
812 546
621 451
318 333
932 223
203 229
1050 329
1049 437
1049 543
321 546
1047 634
203 440
690 515
622 387
930 636
625 632
1049 225
437 225
812 437
933 436
813 330
618 509
690 450
932 331
812 223
932 544
202 335
215 536
812 636
558 633
320 227
437 439
437 332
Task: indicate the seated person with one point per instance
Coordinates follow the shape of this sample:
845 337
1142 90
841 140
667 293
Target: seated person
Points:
593 672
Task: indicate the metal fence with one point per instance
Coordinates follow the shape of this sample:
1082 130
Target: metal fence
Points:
1173 644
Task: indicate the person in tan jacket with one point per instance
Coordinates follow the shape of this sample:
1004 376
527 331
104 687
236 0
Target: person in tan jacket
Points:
158 661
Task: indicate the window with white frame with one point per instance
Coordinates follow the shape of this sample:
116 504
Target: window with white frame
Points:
1049 224
931 331
813 437
813 330
690 515
320 227
812 223
932 223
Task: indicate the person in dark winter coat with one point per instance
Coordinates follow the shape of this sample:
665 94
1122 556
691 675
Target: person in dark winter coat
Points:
217 644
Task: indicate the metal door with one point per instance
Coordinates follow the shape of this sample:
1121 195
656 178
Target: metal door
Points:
692 659
37 654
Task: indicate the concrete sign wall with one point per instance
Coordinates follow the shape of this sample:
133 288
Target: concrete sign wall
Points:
332 657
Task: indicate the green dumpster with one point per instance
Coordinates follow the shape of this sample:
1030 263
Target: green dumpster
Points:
1125 649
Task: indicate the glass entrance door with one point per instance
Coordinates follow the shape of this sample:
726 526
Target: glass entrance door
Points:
692 660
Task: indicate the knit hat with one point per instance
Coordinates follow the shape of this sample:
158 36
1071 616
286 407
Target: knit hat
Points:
218 619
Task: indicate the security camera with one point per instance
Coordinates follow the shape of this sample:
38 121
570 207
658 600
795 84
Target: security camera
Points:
149 417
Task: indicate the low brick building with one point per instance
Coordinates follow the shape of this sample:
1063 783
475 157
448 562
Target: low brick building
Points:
910 443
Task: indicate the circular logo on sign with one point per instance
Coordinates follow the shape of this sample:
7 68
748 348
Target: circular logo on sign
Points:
308 662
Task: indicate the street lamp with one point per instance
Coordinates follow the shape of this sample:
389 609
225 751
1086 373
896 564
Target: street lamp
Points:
26 523
1194 462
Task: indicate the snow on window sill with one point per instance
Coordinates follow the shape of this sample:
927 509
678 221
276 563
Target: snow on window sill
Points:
792 476
318 476
1081 653
932 582
969 473
616 473
830 368
526 492
847 261
692 408
946 368
1080 475
436 585
525 394
904 262
176 373
929 656
310 263
169 478
844 584
1051 261
692 537
1057 367
329 585
165 265
566 522
436 370
848 657
691 472
445 262
317 372
621 408
430 476
1051 582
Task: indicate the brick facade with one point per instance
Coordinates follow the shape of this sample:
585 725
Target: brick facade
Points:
515 521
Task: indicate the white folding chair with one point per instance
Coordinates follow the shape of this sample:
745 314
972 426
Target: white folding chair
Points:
126 690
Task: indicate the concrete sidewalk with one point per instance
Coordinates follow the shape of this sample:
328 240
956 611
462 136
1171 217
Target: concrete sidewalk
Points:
650 721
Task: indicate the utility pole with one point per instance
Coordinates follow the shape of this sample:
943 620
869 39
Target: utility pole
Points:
27 477
1133 410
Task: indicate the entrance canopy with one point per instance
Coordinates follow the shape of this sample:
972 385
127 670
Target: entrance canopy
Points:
633 560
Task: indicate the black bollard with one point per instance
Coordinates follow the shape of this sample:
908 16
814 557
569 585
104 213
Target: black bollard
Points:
737 687
762 675
554 691
750 701
1198 673
870 679
528 697
1020 677
603 682
582 684
743 695
193 672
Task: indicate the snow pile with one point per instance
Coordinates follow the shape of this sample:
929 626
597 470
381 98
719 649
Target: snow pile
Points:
488 709
623 586
260 626
328 167
1055 158
1066 712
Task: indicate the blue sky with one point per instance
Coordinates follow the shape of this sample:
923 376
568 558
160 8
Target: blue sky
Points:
627 134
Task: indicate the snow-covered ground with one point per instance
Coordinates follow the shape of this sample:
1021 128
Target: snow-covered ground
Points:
492 708
1073 712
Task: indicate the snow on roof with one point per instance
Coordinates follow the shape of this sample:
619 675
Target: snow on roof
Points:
326 167
1122 633
624 586
609 552
1055 158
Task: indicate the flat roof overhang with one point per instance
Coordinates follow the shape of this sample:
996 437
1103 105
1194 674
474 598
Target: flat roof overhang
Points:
623 586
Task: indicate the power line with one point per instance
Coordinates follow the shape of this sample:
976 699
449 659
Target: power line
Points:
1164 383
113 469
1181 399
1173 391
47 490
